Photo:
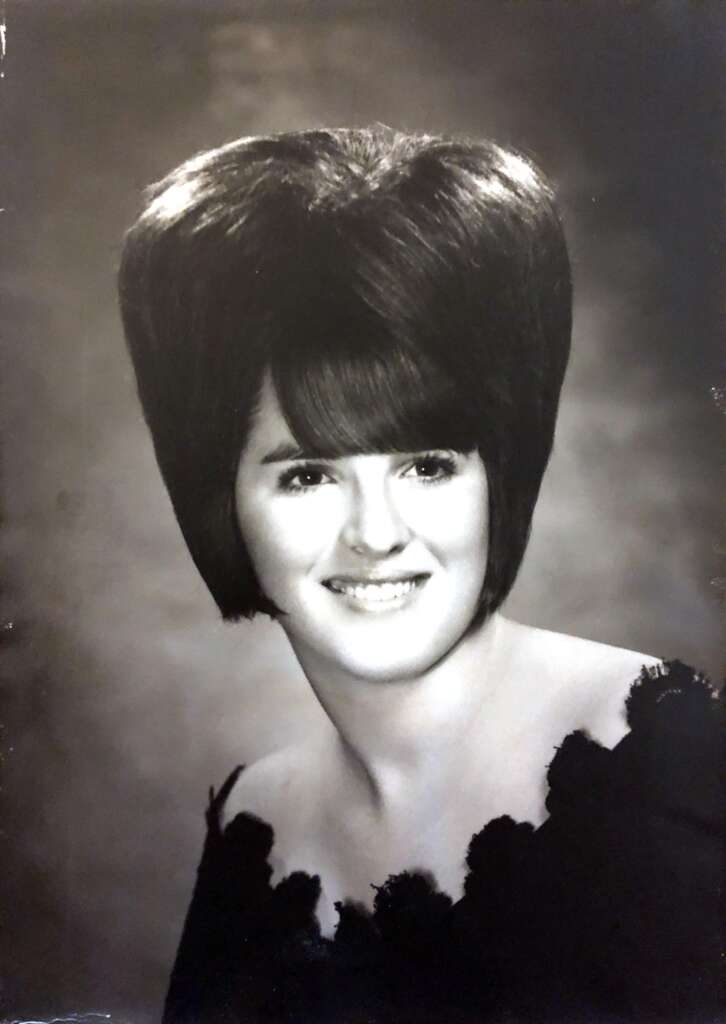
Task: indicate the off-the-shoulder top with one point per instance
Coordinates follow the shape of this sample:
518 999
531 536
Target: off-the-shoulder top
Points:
611 910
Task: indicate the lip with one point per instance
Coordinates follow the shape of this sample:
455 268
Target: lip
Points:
361 579
377 593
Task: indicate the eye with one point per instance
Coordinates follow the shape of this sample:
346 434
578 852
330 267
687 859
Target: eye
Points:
432 467
308 477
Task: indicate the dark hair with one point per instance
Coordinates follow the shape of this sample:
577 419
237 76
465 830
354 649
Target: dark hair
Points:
403 291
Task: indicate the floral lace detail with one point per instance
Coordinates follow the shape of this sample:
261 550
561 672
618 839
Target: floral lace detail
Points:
610 910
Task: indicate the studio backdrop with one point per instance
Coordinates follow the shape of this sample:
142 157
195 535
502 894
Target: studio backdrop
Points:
124 696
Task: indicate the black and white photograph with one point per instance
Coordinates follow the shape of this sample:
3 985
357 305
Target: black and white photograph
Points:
363 532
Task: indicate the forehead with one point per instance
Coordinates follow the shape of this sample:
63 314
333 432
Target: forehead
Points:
268 429
270 439
376 402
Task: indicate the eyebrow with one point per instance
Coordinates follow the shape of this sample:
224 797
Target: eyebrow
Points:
288 451
285 452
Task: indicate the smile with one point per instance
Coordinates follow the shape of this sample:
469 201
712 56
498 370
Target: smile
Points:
378 593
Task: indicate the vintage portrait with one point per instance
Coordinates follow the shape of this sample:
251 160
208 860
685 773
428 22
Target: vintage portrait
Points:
363 526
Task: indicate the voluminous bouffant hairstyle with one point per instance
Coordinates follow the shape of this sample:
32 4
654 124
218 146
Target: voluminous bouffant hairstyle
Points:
404 292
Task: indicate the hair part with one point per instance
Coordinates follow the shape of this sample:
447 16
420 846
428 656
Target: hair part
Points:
403 291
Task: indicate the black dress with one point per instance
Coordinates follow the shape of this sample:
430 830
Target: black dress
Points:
611 910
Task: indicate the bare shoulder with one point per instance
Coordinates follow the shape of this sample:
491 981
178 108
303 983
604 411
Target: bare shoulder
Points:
262 786
273 787
589 681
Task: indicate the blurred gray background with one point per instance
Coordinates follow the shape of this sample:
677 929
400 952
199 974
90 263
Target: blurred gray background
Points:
123 695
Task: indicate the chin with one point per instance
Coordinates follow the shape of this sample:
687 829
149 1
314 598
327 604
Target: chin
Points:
399 668
382 656
395 646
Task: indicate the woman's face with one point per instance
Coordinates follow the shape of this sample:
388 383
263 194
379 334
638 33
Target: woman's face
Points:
376 560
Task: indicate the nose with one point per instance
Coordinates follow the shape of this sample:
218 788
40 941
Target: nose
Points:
374 525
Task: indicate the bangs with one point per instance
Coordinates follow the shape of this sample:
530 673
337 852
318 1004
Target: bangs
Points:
401 293
357 399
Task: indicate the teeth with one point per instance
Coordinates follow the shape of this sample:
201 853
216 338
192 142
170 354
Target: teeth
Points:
374 591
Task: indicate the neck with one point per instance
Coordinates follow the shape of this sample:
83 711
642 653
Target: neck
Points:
399 740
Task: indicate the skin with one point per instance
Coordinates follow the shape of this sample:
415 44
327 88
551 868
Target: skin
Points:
434 728
312 526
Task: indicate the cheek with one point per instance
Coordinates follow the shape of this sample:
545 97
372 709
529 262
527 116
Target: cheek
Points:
454 524
286 538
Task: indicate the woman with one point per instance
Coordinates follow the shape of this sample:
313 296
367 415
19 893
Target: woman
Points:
349 347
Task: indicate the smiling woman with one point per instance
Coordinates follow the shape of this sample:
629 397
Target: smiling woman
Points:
349 346
334 542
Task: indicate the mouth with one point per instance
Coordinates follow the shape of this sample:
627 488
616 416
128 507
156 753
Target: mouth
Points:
376 594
